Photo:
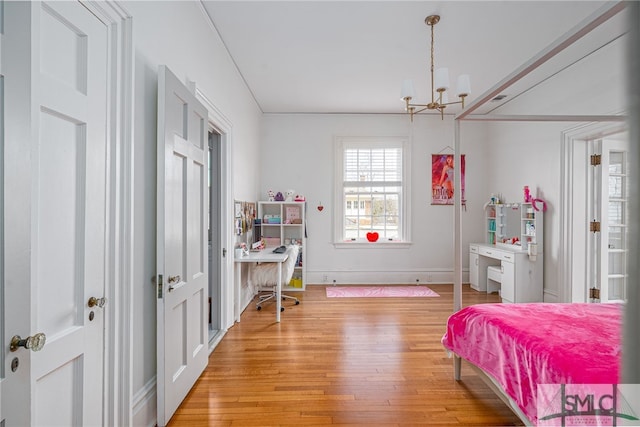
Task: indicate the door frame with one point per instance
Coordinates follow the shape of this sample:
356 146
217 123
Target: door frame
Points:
573 254
223 126
118 337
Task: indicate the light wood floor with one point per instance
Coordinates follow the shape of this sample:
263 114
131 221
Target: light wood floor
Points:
342 362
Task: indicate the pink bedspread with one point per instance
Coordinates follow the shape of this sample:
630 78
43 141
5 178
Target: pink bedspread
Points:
522 345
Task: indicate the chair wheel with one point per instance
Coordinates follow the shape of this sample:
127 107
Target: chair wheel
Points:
281 309
259 308
297 302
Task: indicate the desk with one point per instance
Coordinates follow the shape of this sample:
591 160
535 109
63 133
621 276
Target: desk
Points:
265 255
521 279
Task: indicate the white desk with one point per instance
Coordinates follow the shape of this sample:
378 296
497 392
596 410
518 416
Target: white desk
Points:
265 255
521 277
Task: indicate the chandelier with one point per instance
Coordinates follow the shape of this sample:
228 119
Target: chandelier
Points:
439 81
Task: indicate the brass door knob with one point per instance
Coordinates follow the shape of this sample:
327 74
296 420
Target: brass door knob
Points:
97 302
174 283
34 343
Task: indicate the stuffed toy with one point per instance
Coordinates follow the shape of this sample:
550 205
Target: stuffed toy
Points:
272 195
289 195
279 197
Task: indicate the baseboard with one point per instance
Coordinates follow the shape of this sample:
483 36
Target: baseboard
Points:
549 296
144 405
353 277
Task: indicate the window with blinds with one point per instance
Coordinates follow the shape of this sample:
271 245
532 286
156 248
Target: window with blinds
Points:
372 189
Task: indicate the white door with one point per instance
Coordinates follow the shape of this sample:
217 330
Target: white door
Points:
613 245
182 249
54 207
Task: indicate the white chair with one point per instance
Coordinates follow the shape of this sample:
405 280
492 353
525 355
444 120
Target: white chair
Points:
265 277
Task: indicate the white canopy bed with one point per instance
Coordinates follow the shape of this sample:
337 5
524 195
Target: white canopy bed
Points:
479 110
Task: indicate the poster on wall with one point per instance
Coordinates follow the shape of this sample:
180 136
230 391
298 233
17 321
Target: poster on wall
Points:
442 176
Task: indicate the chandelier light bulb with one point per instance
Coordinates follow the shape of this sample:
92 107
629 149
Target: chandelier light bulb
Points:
441 79
464 85
407 90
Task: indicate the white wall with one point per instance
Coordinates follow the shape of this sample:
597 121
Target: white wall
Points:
298 154
500 158
524 153
178 35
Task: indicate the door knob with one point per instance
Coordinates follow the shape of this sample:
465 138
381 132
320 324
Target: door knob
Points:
175 283
97 302
34 343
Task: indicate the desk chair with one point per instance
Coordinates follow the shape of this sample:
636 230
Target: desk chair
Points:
265 277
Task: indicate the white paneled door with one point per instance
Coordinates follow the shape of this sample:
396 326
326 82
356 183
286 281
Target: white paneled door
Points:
54 214
613 213
182 242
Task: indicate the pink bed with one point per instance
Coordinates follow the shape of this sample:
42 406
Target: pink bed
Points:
522 345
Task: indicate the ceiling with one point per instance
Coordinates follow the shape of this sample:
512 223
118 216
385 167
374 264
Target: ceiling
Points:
352 56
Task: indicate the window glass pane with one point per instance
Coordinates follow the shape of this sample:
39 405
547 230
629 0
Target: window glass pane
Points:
617 278
616 212
616 183
372 176
617 237
616 288
616 162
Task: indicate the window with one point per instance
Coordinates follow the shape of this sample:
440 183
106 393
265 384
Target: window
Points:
370 189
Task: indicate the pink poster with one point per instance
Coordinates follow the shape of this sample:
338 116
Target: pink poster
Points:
442 176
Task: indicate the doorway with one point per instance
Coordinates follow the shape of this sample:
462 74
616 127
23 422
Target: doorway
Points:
215 233
585 264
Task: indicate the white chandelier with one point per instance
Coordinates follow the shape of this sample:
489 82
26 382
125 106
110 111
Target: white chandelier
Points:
439 81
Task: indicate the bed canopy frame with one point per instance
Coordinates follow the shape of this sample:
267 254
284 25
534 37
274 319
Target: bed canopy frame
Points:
631 340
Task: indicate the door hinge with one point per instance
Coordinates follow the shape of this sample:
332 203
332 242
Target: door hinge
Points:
159 286
596 159
594 293
594 226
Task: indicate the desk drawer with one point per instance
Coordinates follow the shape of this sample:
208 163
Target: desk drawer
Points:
489 252
473 249
508 256
501 255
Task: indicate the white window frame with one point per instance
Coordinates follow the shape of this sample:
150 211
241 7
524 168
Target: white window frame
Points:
340 144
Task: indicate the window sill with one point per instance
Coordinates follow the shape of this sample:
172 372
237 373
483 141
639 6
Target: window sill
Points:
373 245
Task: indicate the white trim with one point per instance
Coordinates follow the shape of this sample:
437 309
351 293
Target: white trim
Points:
143 405
119 272
224 126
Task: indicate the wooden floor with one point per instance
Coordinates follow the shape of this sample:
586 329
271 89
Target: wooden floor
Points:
342 362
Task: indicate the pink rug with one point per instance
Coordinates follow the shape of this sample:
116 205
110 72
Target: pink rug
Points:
379 291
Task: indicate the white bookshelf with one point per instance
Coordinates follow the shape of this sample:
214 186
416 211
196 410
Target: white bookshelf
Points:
283 223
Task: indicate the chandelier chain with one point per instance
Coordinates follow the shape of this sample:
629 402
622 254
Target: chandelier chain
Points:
432 49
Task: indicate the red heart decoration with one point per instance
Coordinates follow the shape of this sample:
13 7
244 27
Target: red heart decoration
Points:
320 207
372 237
